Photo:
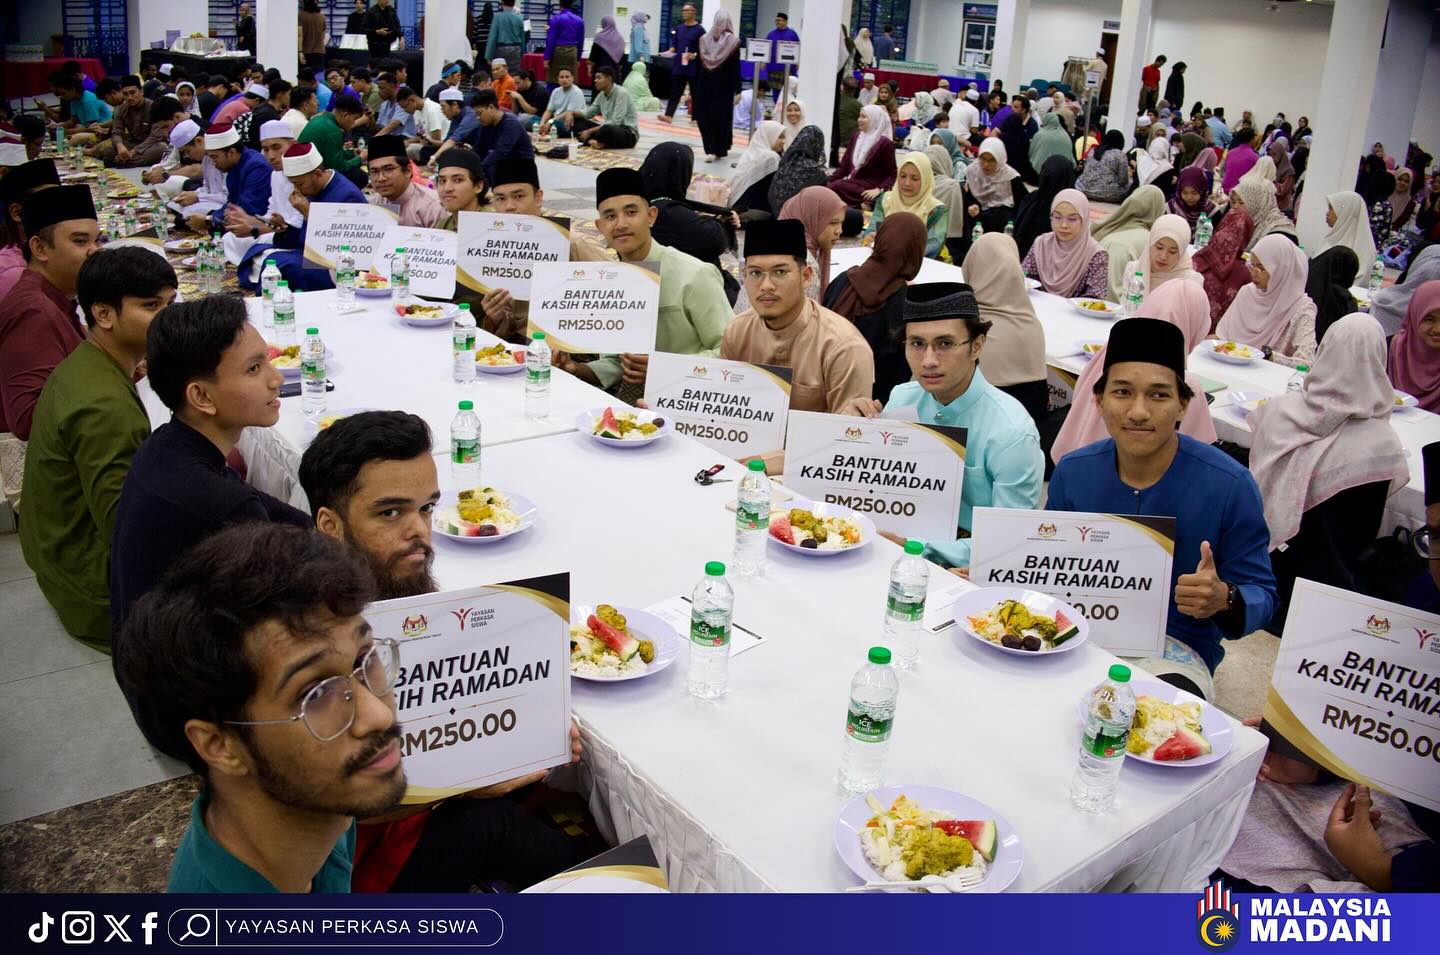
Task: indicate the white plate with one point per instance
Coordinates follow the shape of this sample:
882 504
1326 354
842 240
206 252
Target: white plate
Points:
1254 354
1361 294
1033 284
1089 349
1245 402
1402 400
867 529
585 423
293 374
1111 309
980 601
522 506
450 310
641 625
1212 722
182 245
373 292
1009 853
188 262
485 369
312 425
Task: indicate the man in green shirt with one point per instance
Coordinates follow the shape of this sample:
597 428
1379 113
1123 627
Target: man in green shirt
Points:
612 103
251 661
507 36
87 425
693 308
328 131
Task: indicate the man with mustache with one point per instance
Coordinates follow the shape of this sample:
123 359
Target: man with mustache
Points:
372 484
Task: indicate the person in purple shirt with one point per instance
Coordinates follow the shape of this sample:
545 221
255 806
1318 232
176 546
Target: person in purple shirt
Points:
247 177
782 31
685 47
562 42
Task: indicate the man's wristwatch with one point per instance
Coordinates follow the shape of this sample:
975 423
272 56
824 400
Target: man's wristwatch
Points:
1232 595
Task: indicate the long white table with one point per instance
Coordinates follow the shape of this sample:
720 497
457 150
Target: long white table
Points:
738 795
1065 328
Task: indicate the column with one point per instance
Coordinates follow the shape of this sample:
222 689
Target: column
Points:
1402 63
819 61
1346 86
1012 17
277 35
444 40
148 22
1131 49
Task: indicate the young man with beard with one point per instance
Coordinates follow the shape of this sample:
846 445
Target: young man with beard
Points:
372 484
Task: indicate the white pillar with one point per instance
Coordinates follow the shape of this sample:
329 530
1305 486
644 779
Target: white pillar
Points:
1136 18
1012 17
1346 85
444 39
819 62
1402 63
148 22
277 35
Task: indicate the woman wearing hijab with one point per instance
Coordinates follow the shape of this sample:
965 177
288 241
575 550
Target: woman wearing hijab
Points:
1263 170
1285 177
637 83
1191 145
1067 260
1153 166
1377 192
868 167
1273 312
1257 197
639 39
1221 264
864 49
1125 235
885 99
1390 305
1050 143
1332 273
793 119
958 160
822 213
1414 364
872 295
1192 197
185 93
1240 158
750 186
1206 162
801 165
716 85
1014 355
1167 255
1183 305
1402 200
704 231
1106 176
1349 226
608 48
949 191
1032 215
913 192
923 110
1326 459
992 188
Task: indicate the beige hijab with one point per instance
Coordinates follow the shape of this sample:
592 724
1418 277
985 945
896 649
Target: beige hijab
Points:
1015 347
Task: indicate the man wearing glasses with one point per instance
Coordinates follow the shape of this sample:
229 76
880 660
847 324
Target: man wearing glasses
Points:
1004 467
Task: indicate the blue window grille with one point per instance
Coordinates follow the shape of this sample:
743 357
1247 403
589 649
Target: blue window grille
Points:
97 29
876 13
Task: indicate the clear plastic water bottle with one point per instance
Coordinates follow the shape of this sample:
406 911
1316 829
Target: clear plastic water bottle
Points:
202 267
1204 229
269 275
400 277
711 605
160 219
976 233
60 141
465 445
1109 714
214 275
131 223
462 344
1010 228
284 301
1134 294
537 377
752 521
905 604
1297 380
345 277
312 374
869 719
1377 277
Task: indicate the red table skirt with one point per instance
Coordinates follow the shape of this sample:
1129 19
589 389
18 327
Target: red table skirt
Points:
535 63
29 79
908 84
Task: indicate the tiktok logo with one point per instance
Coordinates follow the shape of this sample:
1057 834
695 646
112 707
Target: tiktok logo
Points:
40 931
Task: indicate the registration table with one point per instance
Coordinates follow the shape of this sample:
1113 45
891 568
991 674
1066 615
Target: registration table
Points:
739 794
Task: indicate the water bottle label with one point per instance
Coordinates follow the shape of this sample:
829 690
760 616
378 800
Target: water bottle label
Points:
865 728
464 451
311 370
1102 744
752 516
706 635
538 376
901 609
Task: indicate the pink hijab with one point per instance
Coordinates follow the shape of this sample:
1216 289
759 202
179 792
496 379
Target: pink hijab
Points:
1414 365
1182 304
1061 265
1262 318
815 206
1333 435
1176 229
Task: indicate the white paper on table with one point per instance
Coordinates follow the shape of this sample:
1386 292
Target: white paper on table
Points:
735 407
940 602
676 612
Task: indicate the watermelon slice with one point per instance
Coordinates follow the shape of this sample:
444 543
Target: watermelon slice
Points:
609 427
519 356
624 645
1064 629
1185 744
781 530
980 832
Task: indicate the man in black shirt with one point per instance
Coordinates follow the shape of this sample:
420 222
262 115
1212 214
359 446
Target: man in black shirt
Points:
355 23
215 90
382 28
209 366
245 30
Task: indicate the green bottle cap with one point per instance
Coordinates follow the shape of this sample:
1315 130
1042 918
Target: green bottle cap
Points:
537 337
464 306
880 656
312 331
1302 367
344 248
714 569
467 406
398 251
756 465
282 284
913 547
1119 673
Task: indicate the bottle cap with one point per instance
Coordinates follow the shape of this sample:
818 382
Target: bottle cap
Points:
757 465
398 251
467 406
913 547
464 306
879 656
1119 673
282 284
537 337
344 248
312 331
714 569
1302 367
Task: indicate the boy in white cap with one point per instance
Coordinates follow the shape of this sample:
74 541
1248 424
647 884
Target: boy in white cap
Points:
244 231
868 92
247 177
181 162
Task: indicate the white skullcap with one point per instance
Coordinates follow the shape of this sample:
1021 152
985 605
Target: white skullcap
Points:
869 76
451 94
165 68
218 137
184 132
258 89
971 95
944 83
300 159
499 61
276 129
1142 122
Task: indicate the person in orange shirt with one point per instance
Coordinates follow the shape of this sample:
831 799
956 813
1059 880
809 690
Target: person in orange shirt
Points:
504 82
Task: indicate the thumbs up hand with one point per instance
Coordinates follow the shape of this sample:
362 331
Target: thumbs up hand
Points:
1202 594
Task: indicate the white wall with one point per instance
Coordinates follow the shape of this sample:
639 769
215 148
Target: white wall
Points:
1427 110
935 31
1060 29
148 20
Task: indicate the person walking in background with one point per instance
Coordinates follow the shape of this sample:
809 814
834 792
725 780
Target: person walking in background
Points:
1175 87
885 44
314 34
507 37
608 48
639 39
562 42
685 47
355 22
716 85
1150 83
245 30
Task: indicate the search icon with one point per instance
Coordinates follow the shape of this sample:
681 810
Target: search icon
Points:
190 931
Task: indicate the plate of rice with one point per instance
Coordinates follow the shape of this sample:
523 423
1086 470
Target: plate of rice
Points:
482 515
609 644
819 530
1019 621
1173 727
622 427
1234 353
427 314
501 358
1096 308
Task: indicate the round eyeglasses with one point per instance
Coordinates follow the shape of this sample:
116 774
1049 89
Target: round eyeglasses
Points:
328 710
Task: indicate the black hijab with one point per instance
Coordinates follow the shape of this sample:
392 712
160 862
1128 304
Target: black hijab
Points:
1332 273
1032 216
1114 139
801 165
667 171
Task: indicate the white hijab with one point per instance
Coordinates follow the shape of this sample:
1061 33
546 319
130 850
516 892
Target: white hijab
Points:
758 160
991 190
1352 228
880 129
865 47
793 129
1154 162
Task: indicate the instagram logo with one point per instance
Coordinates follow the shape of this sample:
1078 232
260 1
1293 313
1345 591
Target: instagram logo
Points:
77 928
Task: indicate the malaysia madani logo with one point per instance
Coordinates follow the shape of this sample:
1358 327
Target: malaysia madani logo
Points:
1377 625
414 626
852 434
1046 530
1217 918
